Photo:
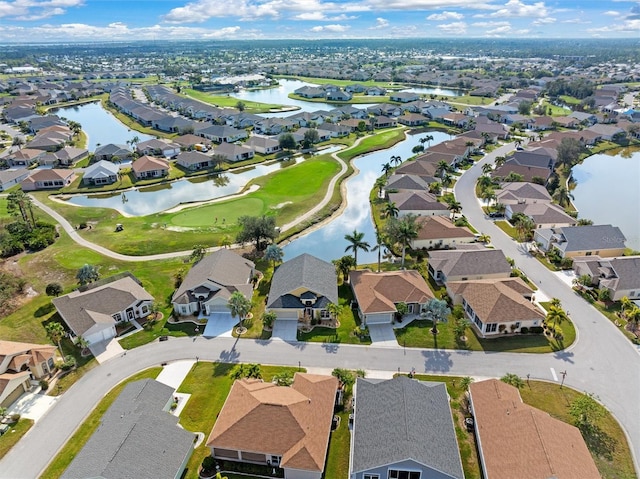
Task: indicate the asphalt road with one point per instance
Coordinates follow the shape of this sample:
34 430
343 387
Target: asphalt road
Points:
602 361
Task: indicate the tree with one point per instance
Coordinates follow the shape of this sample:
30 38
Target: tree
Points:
569 151
556 315
500 160
311 137
362 126
584 222
344 265
82 343
17 141
56 332
268 318
239 305
487 168
513 379
465 382
198 253
442 167
87 274
403 231
417 149
386 169
447 180
346 377
563 196
378 247
396 160
380 183
523 225
334 310
284 378
427 139
287 141
19 206
356 240
484 238
258 229
586 412
53 289
604 295
391 210
240 105
437 310
273 253
435 188
253 371
524 107
454 206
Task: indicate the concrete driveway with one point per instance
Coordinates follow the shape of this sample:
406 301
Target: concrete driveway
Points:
220 325
285 330
32 405
105 350
382 336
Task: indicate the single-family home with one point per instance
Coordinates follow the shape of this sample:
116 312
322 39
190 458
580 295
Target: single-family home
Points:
24 157
544 215
412 119
420 203
378 294
439 232
111 150
496 306
188 141
512 437
571 241
157 147
405 182
223 133
620 275
94 310
302 288
607 132
522 192
67 156
468 264
404 97
211 281
137 437
264 145
403 429
233 152
21 363
286 427
194 160
10 178
101 173
48 179
527 172
150 167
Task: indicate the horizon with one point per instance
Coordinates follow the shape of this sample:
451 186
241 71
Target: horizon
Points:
89 21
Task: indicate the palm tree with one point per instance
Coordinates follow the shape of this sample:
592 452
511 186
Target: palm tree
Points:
488 195
563 196
273 253
555 302
380 184
447 180
427 139
356 240
465 382
633 316
56 332
500 160
239 305
403 231
454 206
386 169
391 210
625 304
485 182
378 247
484 238
500 208
442 168
487 168
334 310
557 315
396 160
343 266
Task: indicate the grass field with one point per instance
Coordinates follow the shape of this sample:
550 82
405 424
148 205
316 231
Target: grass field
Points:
226 101
13 435
343 83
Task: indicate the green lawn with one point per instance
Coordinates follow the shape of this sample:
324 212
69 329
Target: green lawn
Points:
468 99
381 140
13 435
569 100
64 457
337 466
505 226
343 83
229 101
609 449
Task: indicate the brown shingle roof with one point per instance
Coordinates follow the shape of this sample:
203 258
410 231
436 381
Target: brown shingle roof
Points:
438 227
149 163
379 292
519 441
293 422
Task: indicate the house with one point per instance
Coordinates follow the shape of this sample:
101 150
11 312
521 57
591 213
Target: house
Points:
194 160
528 173
607 132
412 119
310 92
24 157
264 145
338 95
189 141
544 215
378 294
93 311
464 265
403 429
137 437
232 152
48 179
150 167
223 134
496 306
620 275
302 288
601 240
396 183
20 363
279 426
210 282
512 437
439 232
157 147
384 122
101 173
111 150
67 156
404 97
335 131
10 178
522 192
420 203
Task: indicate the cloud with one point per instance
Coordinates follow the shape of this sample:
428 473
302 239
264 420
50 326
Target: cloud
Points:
445 16
331 28
384 5
381 23
544 21
453 28
31 10
517 8
490 24
632 26
320 16
612 13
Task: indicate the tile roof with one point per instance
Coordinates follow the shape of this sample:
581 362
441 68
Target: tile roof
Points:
289 421
468 263
306 272
380 292
519 441
404 419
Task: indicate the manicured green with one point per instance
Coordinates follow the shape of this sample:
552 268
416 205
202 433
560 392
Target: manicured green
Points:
610 450
73 446
231 102
505 226
382 140
467 100
569 100
343 83
13 435
337 465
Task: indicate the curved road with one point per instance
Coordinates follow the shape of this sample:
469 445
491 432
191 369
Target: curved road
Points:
602 361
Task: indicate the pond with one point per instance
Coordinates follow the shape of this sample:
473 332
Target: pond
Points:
327 242
607 191
153 199
100 125
435 91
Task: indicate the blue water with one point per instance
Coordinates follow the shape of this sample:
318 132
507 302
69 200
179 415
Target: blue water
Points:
327 242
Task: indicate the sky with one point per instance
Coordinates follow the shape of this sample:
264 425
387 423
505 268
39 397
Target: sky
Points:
29 21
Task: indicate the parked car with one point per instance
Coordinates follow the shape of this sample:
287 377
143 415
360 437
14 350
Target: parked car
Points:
163 338
495 214
3 428
469 423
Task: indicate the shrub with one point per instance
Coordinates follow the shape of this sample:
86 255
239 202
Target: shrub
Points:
15 417
68 363
524 330
44 384
209 463
536 330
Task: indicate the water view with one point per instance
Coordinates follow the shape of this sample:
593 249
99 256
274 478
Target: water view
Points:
153 199
607 192
100 125
327 242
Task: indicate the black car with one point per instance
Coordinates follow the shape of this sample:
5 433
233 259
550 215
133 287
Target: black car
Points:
495 215
163 338
469 423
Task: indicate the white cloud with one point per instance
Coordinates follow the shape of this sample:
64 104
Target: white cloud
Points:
453 28
612 13
445 16
30 10
331 28
383 5
381 23
490 24
632 26
320 16
517 8
544 21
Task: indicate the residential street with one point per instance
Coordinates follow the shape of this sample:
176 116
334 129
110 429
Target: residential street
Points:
602 361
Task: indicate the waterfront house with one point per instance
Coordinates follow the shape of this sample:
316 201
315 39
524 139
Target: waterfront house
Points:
67 156
397 183
465 265
222 133
439 232
94 310
101 173
156 147
232 152
620 275
544 215
194 160
150 167
590 240
403 429
403 97
378 294
112 150
264 145
24 157
287 427
512 437
522 192
420 203
48 179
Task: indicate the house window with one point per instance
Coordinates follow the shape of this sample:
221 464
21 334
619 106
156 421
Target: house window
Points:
144 309
491 328
324 314
117 317
371 476
274 460
397 474
518 325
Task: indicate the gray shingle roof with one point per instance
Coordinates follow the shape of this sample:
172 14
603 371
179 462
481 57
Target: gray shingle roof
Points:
304 271
469 262
401 419
590 237
136 438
